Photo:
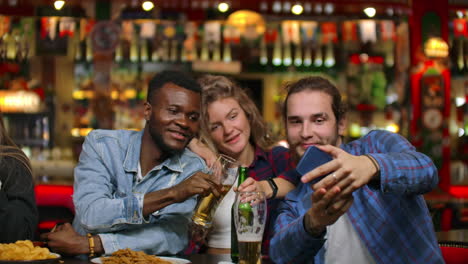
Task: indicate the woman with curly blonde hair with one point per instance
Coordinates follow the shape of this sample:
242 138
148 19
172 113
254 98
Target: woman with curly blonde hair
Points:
232 125
18 211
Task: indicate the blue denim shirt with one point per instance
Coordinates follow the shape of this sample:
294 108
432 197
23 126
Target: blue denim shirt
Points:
109 200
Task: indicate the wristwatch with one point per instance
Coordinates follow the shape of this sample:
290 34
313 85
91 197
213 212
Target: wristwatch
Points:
274 188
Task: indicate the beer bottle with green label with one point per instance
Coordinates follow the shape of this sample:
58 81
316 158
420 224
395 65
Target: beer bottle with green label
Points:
243 174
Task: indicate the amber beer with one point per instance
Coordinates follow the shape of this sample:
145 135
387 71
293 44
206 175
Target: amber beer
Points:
250 251
206 207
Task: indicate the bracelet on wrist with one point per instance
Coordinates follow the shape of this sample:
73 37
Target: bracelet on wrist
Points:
274 188
374 162
91 245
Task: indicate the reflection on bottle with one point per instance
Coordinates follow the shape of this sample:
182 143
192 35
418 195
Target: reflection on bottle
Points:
165 50
174 50
318 56
134 50
287 59
89 49
227 52
45 131
144 50
78 53
389 56
216 52
307 56
263 52
460 56
298 55
277 52
204 52
329 56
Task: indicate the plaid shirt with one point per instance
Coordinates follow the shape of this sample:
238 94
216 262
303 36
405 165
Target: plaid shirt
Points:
392 220
266 164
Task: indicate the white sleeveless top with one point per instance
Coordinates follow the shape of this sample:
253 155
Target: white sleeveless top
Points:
220 236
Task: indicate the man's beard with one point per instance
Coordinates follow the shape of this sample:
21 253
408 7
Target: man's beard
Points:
159 141
293 148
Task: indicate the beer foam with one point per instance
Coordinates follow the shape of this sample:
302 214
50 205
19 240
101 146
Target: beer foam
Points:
249 237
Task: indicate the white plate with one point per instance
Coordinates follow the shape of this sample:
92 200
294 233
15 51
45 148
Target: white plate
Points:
171 259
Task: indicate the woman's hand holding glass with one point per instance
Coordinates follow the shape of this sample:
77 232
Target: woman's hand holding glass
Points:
250 215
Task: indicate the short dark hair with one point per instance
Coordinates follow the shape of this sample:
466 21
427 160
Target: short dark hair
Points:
176 77
316 83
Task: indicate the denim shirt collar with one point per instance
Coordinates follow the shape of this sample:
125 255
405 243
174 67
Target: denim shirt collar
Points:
132 157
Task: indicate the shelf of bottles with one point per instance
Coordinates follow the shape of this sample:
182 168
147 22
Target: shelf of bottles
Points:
363 51
27 114
458 126
281 45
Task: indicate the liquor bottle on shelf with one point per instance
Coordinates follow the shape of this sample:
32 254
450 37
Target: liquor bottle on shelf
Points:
243 174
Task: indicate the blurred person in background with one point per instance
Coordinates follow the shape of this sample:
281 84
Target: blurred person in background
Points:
18 210
232 125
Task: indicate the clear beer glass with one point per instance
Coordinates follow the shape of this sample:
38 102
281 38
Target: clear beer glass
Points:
224 173
250 213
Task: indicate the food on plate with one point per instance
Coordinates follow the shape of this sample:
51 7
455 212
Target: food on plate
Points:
24 250
124 256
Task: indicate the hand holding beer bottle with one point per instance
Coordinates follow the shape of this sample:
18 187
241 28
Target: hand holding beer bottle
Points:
243 175
250 217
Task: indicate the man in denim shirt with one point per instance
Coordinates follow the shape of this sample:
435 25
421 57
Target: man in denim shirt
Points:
137 190
368 208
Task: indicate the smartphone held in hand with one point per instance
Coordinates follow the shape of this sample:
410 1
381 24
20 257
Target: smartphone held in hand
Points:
312 158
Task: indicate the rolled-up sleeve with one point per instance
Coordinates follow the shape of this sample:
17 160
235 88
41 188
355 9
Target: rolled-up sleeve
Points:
403 170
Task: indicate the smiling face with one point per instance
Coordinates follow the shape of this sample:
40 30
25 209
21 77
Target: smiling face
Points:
173 117
228 126
310 121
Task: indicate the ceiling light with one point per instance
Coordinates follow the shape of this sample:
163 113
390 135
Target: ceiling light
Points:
286 7
223 7
390 11
59 4
276 7
318 9
329 8
297 9
370 11
147 5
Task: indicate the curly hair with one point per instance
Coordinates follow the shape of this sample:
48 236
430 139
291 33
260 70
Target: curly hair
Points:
216 87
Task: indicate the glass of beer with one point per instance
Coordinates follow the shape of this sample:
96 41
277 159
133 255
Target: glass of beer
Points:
250 215
224 173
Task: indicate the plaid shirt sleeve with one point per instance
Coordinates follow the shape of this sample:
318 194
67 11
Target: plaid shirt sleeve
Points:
403 170
291 243
283 165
